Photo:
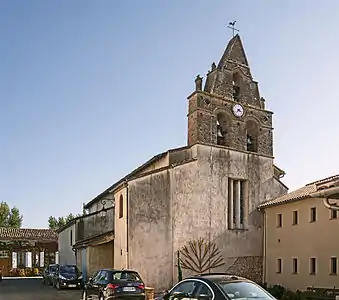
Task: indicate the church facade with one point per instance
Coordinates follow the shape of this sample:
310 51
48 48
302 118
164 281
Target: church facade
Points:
210 188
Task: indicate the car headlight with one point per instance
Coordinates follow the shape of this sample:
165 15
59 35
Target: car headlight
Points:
80 277
62 277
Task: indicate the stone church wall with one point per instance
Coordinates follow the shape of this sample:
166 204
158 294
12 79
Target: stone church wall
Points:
150 229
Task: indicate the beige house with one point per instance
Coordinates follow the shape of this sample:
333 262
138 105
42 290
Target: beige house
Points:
301 247
210 188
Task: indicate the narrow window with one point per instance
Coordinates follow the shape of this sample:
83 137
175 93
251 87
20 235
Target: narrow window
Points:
334 214
313 214
236 86
71 237
279 265
236 203
121 207
333 266
295 218
223 122
295 266
242 202
252 134
313 265
279 220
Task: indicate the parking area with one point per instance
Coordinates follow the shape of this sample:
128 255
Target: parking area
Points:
33 289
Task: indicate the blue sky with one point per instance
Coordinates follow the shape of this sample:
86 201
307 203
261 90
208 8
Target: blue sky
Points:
89 90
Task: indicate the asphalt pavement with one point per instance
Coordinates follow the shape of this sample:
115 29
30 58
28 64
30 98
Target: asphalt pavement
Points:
33 289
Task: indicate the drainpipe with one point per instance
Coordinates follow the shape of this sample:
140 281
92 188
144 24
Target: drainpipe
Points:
264 250
127 225
326 194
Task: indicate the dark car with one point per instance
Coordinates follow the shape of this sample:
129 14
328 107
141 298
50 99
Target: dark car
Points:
216 286
68 276
48 273
111 284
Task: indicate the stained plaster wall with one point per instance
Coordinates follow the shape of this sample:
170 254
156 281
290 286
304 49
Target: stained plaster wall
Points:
168 208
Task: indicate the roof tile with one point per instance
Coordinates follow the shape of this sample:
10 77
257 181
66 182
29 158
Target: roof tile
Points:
28 234
298 194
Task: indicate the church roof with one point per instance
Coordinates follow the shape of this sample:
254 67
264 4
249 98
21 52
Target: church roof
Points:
299 194
25 234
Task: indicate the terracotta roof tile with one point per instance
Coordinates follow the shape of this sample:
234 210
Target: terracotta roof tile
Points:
298 194
28 234
325 180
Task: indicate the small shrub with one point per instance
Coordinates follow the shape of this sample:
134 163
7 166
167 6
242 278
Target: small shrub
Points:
276 291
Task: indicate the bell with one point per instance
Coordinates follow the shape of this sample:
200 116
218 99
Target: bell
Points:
249 140
219 133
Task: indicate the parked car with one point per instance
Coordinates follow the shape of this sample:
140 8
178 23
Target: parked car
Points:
48 273
67 276
216 286
110 284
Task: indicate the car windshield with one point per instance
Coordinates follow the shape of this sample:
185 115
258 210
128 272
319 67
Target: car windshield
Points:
131 276
244 290
69 269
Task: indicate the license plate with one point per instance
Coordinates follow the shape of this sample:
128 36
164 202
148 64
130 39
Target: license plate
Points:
129 289
72 285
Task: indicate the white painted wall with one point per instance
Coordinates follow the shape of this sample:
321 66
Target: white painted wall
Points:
66 254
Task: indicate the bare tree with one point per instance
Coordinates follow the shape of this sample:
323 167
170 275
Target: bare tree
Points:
200 256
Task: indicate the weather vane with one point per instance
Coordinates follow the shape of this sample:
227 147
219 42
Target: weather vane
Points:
231 25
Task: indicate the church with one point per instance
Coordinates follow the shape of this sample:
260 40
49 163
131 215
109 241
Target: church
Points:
210 188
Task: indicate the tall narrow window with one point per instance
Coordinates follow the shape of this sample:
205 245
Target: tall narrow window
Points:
222 129
313 265
252 134
121 207
295 266
334 266
236 86
279 220
279 265
295 218
313 216
236 203
71 237
334 214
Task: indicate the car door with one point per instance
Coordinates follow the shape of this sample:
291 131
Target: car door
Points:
182 291
92 287
102 281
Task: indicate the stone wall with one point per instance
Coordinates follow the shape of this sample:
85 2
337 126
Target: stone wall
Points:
150 229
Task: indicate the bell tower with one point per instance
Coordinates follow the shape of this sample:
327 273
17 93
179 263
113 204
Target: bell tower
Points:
228 111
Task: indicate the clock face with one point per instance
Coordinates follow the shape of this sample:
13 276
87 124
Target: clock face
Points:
238 110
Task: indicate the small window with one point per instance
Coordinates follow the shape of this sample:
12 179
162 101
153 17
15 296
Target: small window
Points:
71 237
279 220
279 265
121 206
313 265
334 214
295 218
334 266
313 214
295 266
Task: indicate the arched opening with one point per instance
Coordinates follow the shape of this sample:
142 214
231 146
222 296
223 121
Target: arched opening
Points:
222 129
236 85
252 133
121 206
